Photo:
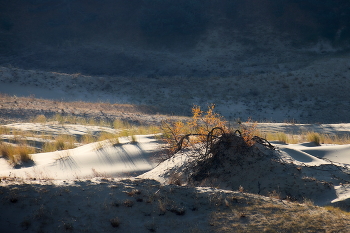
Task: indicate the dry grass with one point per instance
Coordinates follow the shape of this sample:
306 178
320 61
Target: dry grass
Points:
16 154
110 137
317 138
61 142
87 138
39 119
4 130
247 215
313 137
24 152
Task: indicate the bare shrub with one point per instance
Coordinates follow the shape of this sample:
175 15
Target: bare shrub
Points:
198 128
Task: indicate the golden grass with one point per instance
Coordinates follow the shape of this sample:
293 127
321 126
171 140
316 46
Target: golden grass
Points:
313 137
39 119
61 142
4 130
246 215
120 124
87 138
16 154
24 152
317 138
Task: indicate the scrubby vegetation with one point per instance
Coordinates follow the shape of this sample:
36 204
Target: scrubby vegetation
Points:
16 154
46 142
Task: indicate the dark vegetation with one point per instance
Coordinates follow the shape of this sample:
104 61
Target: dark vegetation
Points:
78 36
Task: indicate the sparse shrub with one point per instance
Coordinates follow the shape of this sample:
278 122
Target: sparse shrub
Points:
133 192
151 227
175 178
177 210
128 203
199 126
25 224
249 130
133 139
59 118
275 194
40 119
162 207
115 222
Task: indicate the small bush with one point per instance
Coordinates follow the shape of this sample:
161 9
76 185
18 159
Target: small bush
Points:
200 125
249 130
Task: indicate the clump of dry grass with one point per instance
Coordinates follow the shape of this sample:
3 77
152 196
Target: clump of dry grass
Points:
87 138
271 216
4 130
61 142
39 119
16 154
110 137
120 124
8 152
317 138
313 137
24 152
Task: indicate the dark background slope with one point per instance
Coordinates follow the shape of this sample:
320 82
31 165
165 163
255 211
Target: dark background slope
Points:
138 37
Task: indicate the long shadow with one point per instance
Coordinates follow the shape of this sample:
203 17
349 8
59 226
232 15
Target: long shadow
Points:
120 153
67 162
30 163
299 155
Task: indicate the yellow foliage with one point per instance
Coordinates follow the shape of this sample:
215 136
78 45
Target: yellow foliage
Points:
199 126
249 130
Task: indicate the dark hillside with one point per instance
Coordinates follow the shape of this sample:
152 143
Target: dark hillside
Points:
141 37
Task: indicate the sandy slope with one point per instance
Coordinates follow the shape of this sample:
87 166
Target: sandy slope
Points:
96 159
143 206
292 171
60 192
309 93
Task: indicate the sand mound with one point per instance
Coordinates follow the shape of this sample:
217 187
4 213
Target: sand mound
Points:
259 168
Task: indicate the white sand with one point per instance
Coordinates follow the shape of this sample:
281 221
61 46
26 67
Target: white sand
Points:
95 159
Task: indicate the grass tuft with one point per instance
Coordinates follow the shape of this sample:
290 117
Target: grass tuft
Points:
314 137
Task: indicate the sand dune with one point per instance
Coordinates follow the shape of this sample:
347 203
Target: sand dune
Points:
96 159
